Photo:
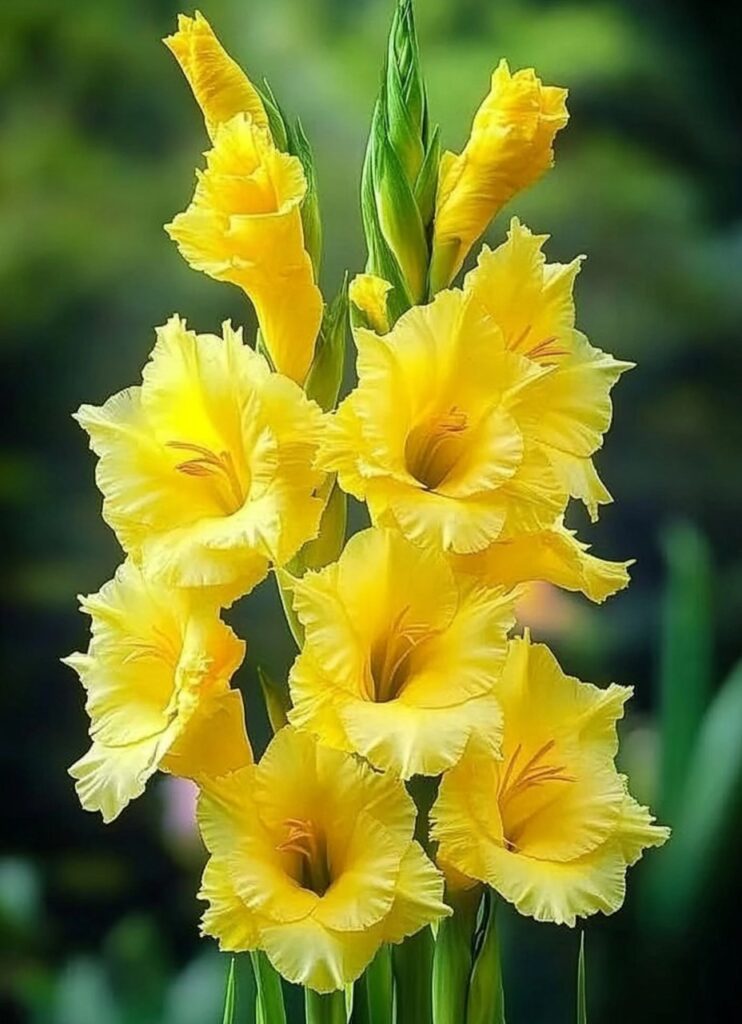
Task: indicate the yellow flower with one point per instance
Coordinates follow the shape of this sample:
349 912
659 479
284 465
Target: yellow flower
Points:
551 826
156 676
400 656
206 469
244 226
532 303
553 556
439 437
368 294
313 861
510 147
220 86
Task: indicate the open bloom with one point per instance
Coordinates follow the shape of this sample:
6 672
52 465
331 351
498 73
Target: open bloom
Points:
532 303
206 469
401 657
221 87
551 826
510 147
551 556
156 676
313 861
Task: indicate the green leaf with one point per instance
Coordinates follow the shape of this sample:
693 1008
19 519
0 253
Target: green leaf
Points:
284 581
687 872
269 1000
298 145
452 960
486 995
326 374
276 121
685 668
276 698
228 1017
427 180
581 994
412 964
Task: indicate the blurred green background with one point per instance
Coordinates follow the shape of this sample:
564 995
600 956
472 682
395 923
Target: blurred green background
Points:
99 138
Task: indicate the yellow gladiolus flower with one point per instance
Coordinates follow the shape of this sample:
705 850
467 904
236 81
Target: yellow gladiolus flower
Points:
206 469
552 556
532 303
400 656
156 675
551 826
510 147
313 860
221 87
368 294
244 226
439 436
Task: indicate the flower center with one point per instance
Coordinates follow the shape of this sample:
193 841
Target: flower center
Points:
305 839
389 663
518 779
433 448
220 467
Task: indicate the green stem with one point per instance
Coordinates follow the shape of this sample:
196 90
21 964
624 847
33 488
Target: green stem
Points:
452 961
413 968
324 1009
374 991
269 1008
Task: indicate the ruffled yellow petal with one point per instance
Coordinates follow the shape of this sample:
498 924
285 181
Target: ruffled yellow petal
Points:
510 147
551 825
156 674
418 899
207 468
553 556
368 294
220 86
313 861
560 891
244 226
306 953
227 918
400 656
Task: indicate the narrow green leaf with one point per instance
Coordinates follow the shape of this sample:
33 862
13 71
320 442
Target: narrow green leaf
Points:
486 996
427 180
325 1009
685 669
228 1017
269 1001
276 121
452 960
276 698
581 994
412 964
298 145
695 864
284 583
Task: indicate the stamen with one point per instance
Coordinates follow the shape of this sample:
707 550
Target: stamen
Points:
401 641
533 773
303 838
208 463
